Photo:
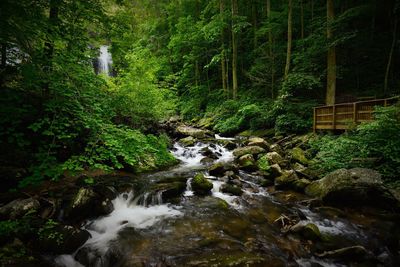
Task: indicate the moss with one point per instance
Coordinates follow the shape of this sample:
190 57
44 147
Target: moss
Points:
200 185
232 189
263 164
299 155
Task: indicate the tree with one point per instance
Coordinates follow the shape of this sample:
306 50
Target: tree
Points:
224 72
392 47
331 60
289 39
234 50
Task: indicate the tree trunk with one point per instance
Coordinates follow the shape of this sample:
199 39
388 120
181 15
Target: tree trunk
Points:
331 60
254 16
385 86
270 51
223 56
234 50
289 41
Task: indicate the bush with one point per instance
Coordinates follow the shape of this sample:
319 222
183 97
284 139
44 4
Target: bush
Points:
299 84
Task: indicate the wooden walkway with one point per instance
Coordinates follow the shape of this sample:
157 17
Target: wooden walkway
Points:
343 116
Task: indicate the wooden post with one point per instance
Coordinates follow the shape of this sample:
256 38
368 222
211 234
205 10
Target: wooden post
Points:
385 102
334 117
355 112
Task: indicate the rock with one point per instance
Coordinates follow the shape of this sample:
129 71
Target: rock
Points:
309 231
170 190
18 208
254 150
190 131
200 185
83 205
206 161
216 169
277 148
299 155
232 189
230 145
355 253
275 158
60 239
207 152
286 180
275 171
188 141
300 184
258 141
353 187
247 162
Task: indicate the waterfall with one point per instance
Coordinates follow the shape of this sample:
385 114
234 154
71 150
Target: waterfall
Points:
104 61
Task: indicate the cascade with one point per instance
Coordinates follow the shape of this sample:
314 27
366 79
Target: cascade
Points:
104 61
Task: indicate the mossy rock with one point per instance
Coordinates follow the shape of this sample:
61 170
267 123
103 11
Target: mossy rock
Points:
253 150
309 231
200 185
216 169
247 162
232 189
188 141
286 180
299 155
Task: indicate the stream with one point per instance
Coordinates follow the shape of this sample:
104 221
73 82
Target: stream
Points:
145 229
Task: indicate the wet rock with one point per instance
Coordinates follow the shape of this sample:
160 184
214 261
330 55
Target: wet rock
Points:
188 141
60 239
275 158
190 131
254 150
353 187
299 155
356 253
170 190
232 189
286 180
208 153
230 145
309 231
247 162
216 169
200 185
258 141
206 161
18 208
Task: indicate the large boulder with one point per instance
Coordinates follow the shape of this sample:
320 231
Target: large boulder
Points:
18 208
190 131
231 189
351 187
253 150
200 185
307 230
258 141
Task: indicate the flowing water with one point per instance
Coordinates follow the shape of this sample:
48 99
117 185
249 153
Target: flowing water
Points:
217 230
104 61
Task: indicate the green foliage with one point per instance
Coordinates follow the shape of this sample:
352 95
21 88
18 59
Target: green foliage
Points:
299 85
10 228
377 140
49 232
263 163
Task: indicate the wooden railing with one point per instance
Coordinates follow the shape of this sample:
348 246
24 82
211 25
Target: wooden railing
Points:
342 116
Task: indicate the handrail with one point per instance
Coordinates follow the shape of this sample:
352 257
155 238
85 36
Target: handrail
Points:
341 116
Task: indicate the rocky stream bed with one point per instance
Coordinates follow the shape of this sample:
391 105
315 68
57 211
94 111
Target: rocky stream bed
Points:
230 202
